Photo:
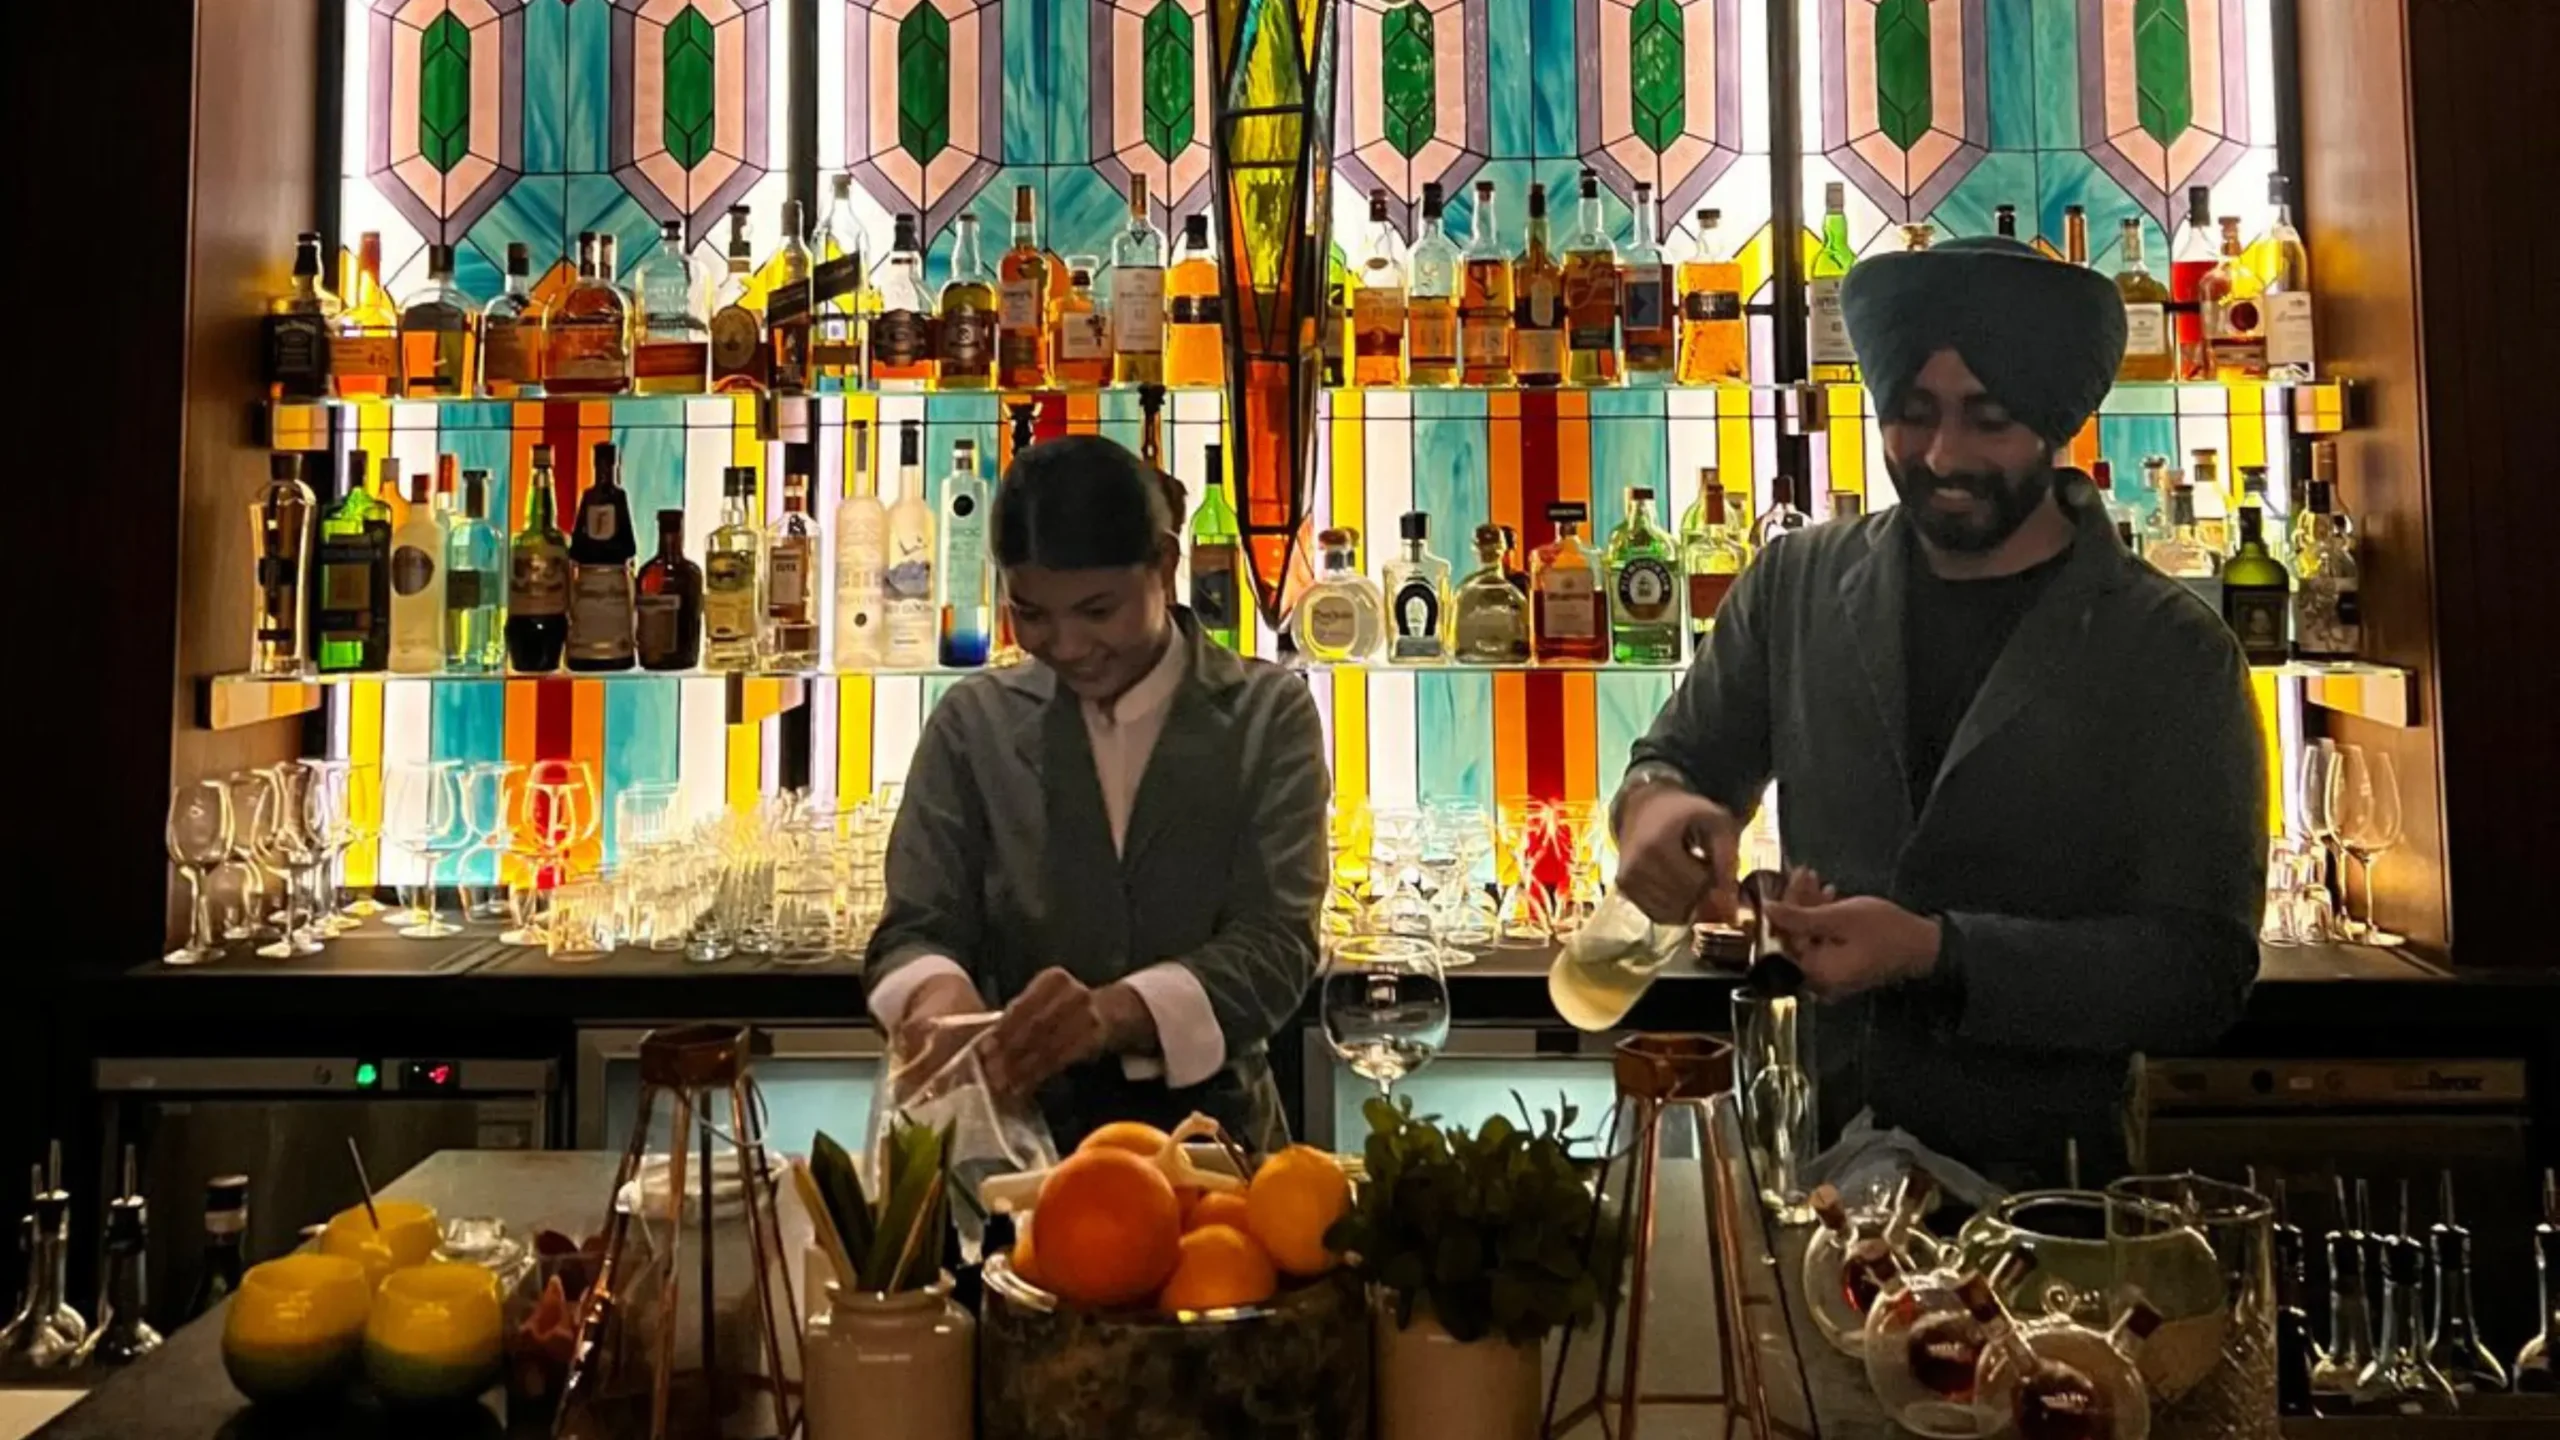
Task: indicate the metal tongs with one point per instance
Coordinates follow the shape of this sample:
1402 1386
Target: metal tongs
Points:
1770 970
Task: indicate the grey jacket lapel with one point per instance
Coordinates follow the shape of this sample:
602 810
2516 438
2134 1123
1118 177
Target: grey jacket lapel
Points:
1194 762
1873 592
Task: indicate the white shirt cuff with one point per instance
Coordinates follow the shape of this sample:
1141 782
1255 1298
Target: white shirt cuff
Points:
1191 1046
889 998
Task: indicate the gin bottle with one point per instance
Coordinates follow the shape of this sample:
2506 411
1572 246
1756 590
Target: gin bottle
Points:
282 521
351 591
418 586
1137 294
1641 568
475 584
1417 587
1431 299
537 579
1340 620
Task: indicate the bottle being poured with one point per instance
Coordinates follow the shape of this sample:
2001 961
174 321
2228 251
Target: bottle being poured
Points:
1618 952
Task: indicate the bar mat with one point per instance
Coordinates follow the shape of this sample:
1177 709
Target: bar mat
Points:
634 964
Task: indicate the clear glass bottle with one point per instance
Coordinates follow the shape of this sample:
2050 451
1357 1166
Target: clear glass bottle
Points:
438 334
1417 590
46 1331
739 362
2454 1349
1854 1258
965 336
732 600
674 353
1568 624
1081 331
666 621
1712 336
364 354
2534 1363
1026 281
475 584
1641 568
297 328
791 576
1649 324
2182 556
351 583
1538 315
2255 594
122 1334
602 546
1341 619
537 628
862 549
1591 292
2054 1378
511 333
1783 517
2398 1380
964 578
840 271
1217 557
907 581
1485 298
2292 349
790 313
1377 302
1711 556
1492 624
1137 295
902 334
1194 343
280 520
418 586
2150 348
1834 361
586 332
2235 335
1431 298
2193 252
2328 612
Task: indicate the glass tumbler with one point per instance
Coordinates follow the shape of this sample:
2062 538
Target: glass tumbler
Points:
1773 1083
2200 1252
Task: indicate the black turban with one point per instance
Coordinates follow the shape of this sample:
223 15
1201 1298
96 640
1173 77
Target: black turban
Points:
2044 336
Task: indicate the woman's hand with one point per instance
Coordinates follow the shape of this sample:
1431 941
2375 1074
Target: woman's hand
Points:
1059 1021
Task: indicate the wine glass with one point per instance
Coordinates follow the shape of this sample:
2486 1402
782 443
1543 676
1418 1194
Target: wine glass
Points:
246 919
1396 845
2364 807
334 822
1523 917
2318 822
284 843
487 787
198 835
422 813
364 827
556 813
1385 1005
1456 836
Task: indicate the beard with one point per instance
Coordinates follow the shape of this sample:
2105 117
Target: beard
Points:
1997 503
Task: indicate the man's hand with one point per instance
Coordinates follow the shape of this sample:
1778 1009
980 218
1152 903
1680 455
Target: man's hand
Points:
1059 1021
1860 943
1662 832
921 1047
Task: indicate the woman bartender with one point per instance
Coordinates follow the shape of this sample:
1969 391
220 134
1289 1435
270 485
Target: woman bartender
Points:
1120 844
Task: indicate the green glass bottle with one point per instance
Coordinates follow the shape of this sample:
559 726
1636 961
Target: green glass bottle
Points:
1834 362
1642 567
538 579
2255 593
351 603
1217 558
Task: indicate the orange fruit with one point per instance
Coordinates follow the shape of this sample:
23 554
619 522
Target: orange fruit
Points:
1135 1136
1220 1266
1219 1209
1110 1228
1295 1197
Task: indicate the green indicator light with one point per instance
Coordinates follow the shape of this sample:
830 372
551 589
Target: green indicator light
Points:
368 1075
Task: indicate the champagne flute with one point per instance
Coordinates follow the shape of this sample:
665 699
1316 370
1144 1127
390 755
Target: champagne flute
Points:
1385 1005
2364 805
198 835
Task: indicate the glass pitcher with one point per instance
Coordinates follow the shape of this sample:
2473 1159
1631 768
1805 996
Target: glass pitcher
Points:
2211 1365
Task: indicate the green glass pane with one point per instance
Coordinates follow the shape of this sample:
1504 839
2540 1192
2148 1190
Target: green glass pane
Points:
444 92
688 76
1171 63
924 84
1658 65
2164 90
1902 70
1410 78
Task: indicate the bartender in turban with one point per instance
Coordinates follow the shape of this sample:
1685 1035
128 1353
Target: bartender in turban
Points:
2024 765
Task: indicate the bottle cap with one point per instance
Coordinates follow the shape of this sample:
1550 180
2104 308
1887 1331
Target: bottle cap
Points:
1377 204
1590 183
1641 492
2102 473
1433 197
1710 218
607 457
475 491
738 480
1340 538
670 520
1414 525
1080 275
1491 535
1567 512
1195 226
1826 1207
283 465
422 489
541 454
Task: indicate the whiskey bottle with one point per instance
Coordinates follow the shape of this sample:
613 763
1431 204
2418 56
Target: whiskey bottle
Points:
1834 361
1377 302
906 584
586 333
418 586
2255 594
1782 518
2292 349
437 341
963 581
1568 624
2149 354
1431 298
1339 620
674 353
790 637
538 579
841 269
1711 326
902 334
1194 343
601 548
511 333
475 584
298 326
1028 281
2193 252
1137 295
1485 298
1591 293
1492 624
1645 298
364 354
732 611
1918 237
351 599
667 613
1711 558
1538 316
965 338
1417 590
1081 329
280 527
1641 569
2235 329
2534 1363
2075 235
862 542
220 1263
790 314
2454 1349
1217 555
739 362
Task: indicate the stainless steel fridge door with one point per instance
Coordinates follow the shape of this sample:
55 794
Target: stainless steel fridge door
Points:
812 1078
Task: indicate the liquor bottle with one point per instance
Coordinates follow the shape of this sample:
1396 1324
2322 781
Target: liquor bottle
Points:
2255 591
1711 558
739 362
46 1332
2337 1379
2004 221
1846 504
2193 252
1339 620
2296 1353
1334 336
1538 316
1649 325
2183 556
1640 566
2399 1380
1853 1259
2054 1378
906 583
790 636
122 1334
674 353
2102 478
417 587
1591 292
963 583
601 548
2253 496
2534 1372
902 334
298 327
2213 513
1492 611
1417 590
2075 235
1917 237
862 547
1080 356
586 332
1834 361
1194 343
2149 355
1151 431
475 584
1377 303
666 623
351 594
1217 555
1782 518
790 310
840 269
1568 625
438 343
1711 326
364 346
1025 281
511 333
2328 614
2454 1349
1485 298
1137 295
2292 347
732 614
1431 298
2235 329
965 329
280 523
537 579
226 1225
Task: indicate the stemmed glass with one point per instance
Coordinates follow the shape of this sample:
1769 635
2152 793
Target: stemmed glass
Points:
2364 809
1385 1005
285 842
1456 838
1396 845
2319 825
198 834
247 919
556 812
364 827
487 786
334 824
1525 914
422 813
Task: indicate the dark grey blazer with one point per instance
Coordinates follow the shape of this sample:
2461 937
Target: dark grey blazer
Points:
2095 840
1001 859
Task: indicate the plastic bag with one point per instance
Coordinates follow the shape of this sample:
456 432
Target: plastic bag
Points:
941 1083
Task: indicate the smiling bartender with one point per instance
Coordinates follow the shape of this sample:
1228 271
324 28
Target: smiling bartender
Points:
1120 843
2027 762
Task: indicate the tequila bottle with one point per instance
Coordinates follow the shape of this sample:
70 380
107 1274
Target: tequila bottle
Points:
2328 614
1645 297
1591 292
862 549
297 328
351 591
963 582
1834 361
674 354
966 339
2255 589
2150 352
1568 624
1782 518
418 586
731 613
907 582
1377 304
1194 343
840 265
1081 355
1641 568
1711 324
511 333
1711 558
438 334
364 354
280 523
2182 556
475 584
1492 626
1538 316
789 315
902 332
2193 253
1339 619
1417 589
601 547
1431 299
667 613
586 332
1217 557
537 579
2235 327
1137 295
2286 270
790 636
1028 280
739 362
1485 299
